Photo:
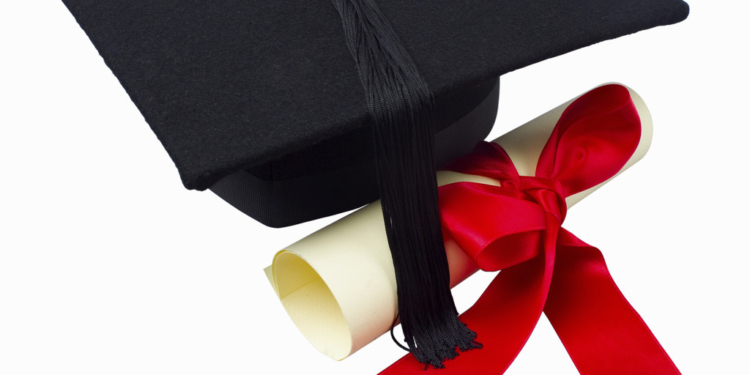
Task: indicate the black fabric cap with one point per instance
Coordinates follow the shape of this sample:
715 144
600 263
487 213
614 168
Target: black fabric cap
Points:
228 85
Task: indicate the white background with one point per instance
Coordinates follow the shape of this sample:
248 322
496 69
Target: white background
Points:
109 266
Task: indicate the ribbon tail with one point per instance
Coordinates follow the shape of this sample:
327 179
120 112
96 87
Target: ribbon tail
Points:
601 331
503 317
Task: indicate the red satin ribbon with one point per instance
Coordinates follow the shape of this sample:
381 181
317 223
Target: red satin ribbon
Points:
516 228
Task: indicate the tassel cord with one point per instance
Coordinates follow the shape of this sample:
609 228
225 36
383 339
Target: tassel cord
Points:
402 109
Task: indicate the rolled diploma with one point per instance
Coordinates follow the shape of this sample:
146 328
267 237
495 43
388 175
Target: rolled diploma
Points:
338 284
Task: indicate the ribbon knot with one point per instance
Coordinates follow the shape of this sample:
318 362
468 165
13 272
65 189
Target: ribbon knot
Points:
548 193
516 227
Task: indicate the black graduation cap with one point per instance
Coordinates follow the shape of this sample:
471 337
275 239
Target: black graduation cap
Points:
292 110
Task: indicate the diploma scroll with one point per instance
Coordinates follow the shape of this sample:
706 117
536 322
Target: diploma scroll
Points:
338 284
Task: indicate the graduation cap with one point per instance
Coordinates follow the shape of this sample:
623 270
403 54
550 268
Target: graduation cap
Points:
294 110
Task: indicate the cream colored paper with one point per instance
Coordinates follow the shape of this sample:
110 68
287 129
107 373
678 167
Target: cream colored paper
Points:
338 284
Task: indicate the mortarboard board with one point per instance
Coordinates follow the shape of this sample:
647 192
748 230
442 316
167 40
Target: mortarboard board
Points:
257 98
268 88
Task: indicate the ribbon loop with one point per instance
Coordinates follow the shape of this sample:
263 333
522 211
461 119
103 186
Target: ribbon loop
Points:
510 240
592 141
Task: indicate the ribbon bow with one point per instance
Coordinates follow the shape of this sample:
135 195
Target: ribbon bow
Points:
516 228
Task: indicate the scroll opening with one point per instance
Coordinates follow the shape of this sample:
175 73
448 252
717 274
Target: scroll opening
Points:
312 306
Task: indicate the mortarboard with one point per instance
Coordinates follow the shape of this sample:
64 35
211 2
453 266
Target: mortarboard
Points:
294 110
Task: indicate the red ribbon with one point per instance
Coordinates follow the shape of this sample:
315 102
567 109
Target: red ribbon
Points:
516 228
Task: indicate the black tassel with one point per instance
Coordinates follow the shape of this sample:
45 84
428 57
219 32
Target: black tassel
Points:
402 109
